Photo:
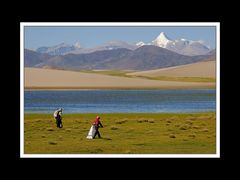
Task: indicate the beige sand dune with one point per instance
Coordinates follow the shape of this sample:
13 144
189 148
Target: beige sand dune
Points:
59 79
200 69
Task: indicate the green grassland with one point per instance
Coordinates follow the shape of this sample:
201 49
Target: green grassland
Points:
162 78
181 79
124 73
120 73
133 133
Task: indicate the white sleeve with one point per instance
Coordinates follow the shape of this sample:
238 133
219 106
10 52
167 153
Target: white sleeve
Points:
55 114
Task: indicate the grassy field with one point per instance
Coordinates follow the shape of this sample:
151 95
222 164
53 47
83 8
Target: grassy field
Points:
162 78
120 73
132 133
181 79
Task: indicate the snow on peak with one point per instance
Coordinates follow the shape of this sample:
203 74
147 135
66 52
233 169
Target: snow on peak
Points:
139 44
77 44
162 40
183 39
162 35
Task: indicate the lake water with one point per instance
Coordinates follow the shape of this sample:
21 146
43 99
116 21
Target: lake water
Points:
103 101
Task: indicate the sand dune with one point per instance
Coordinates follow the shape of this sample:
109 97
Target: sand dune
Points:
200 69
58 79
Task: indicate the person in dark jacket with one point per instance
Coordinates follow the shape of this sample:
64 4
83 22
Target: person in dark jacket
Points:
97 123
58 118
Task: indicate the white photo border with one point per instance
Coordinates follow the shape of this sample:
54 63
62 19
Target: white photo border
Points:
159 24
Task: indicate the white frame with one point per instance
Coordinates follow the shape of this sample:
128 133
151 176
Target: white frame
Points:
215 24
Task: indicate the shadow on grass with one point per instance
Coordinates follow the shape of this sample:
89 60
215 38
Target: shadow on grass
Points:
106 138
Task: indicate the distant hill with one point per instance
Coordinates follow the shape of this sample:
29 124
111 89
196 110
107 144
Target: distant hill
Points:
151 57
95 60
199 69
59 49
212 56
35 59
64 49
143 58
212 52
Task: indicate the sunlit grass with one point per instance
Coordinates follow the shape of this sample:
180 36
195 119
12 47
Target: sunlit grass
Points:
124 73
162 78
181 79
158 133
120 73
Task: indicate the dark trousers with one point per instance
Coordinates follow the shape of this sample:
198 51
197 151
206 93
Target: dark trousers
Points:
97 133
59 122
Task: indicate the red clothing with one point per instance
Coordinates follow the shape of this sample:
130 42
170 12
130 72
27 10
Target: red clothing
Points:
97 121
97 124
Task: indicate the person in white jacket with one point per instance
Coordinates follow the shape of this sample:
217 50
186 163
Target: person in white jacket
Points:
57 115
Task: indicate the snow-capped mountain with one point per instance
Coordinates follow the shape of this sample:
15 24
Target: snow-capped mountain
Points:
111 45
63 48
181 46
162 40
60 49
143 58
139 44
77 45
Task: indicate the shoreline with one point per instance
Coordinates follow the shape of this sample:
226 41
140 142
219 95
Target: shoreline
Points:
115 88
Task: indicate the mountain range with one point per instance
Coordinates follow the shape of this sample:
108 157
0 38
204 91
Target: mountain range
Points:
180 46
142 58
63 48
119 55
59 49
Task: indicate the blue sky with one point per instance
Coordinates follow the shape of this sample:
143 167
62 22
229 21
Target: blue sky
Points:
92 36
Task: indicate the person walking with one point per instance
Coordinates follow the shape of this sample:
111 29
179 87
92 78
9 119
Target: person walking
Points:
57 115
97 123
